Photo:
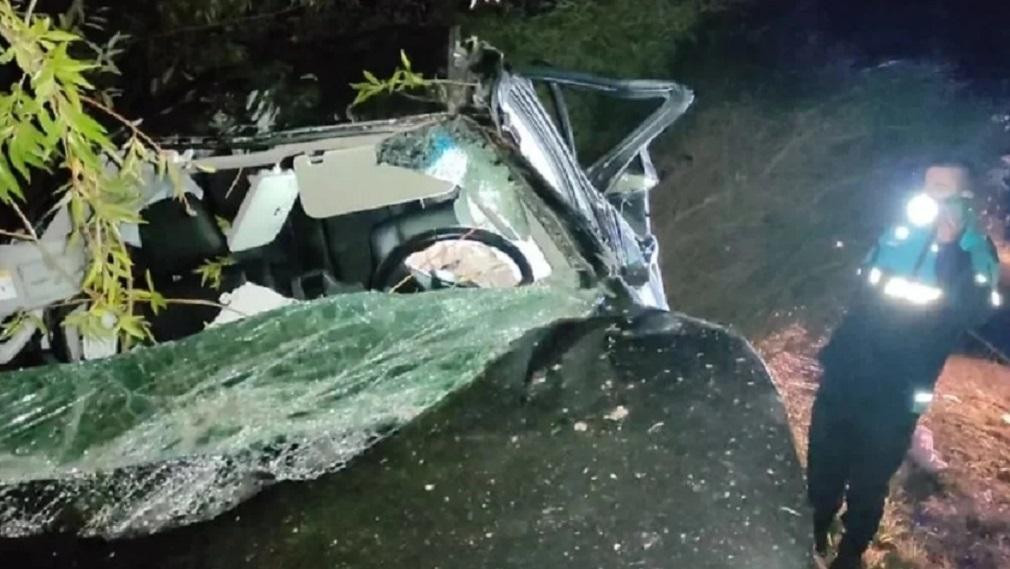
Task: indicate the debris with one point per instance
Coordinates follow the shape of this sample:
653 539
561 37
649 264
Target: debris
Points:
656 427
581 426
791 511
618 414
1006 418
429 487
249 299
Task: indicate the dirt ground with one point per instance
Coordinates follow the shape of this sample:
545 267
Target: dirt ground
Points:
958 519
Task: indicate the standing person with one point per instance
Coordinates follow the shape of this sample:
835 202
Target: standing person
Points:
928 280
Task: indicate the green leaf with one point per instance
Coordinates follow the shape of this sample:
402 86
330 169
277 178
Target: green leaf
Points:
158 302
25 149
116 212
10 188
83 152
85 125
404 60
52 128
371 78
44 82
77 209
15 153
211 271
60 36
133 326
47 117
417 80
13 325
74 78
394 82
19 320
94 272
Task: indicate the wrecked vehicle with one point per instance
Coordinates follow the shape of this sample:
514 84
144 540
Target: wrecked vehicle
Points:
539 363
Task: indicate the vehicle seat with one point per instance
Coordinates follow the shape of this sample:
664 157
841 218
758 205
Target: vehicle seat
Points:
173 245
175 242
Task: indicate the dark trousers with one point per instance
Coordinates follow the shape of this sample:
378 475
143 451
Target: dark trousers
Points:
853 452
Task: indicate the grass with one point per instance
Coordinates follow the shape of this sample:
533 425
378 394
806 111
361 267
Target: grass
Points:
956 520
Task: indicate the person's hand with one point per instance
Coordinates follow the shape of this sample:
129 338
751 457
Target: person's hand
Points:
950 223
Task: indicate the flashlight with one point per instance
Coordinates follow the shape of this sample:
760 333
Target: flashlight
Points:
922 210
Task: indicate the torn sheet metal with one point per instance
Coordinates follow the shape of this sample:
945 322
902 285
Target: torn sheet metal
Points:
539 142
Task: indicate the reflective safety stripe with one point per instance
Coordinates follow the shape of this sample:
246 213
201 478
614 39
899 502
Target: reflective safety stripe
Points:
875 275
911 291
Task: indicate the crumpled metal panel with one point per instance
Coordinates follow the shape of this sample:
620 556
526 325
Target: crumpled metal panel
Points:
523 116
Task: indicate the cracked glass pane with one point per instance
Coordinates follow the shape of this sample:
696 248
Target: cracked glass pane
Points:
180 432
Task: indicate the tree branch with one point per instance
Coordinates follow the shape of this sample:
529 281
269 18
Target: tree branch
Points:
126 122
16 235
30 11
24 220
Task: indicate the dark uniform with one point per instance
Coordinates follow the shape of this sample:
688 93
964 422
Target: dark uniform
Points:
863 418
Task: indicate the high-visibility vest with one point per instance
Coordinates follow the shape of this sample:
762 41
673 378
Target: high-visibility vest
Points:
902 264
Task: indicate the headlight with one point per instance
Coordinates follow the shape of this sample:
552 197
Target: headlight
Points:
922 210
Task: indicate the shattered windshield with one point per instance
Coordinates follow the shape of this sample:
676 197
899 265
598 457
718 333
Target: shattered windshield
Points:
180 432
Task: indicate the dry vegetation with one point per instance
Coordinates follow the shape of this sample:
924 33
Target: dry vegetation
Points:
764 215
767 206
960 519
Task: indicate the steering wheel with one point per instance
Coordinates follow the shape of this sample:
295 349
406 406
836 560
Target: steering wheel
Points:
393 273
